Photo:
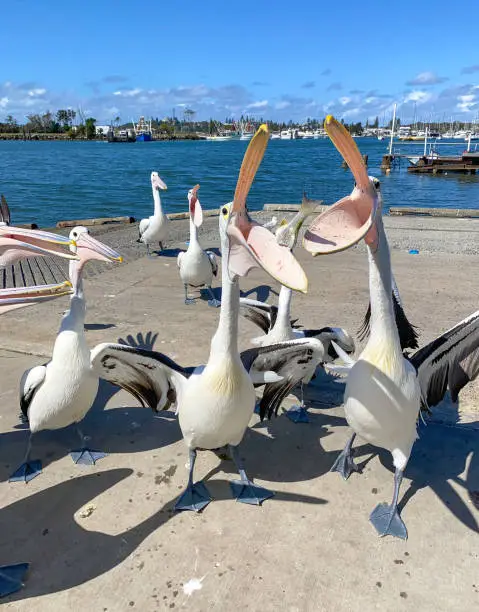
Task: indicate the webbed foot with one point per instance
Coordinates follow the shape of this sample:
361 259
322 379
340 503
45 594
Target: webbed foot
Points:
11 578
387 521
27 471
196 497
297 414
246 492
86 456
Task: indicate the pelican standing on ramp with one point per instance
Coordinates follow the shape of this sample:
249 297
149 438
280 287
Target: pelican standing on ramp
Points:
155 228
216 402
384 389
60 393
34 244
197 266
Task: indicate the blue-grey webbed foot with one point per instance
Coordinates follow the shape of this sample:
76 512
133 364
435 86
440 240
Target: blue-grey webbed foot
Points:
297 414
11 578
244 490
213 302
86 456
196 497
27 471
385 518
344 464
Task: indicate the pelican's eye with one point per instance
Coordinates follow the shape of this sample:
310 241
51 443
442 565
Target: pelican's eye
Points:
224 211
75 235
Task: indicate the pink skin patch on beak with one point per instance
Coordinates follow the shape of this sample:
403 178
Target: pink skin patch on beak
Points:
196 212
252 246
342 225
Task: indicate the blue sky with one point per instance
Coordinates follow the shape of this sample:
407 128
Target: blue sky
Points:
275 59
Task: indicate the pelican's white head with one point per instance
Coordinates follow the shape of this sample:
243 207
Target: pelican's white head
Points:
156 181
86 248
246 244
196 212
353 217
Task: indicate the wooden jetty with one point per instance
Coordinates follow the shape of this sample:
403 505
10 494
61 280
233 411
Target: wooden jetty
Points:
467 163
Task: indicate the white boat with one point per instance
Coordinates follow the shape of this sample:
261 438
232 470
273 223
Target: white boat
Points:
275 135
289 134
221 134
306 134
219 137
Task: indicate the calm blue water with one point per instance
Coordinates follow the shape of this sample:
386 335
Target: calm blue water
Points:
45 182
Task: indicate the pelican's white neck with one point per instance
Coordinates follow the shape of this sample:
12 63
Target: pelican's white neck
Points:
225 340
193 232
282 324
157 201
383 322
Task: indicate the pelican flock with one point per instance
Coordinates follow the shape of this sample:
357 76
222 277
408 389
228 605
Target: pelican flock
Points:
387 385
155 229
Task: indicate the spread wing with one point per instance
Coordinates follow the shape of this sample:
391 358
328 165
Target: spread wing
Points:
151 377
261 314
408 334
31 381
144 223
451 360
4 211
213 262
293 361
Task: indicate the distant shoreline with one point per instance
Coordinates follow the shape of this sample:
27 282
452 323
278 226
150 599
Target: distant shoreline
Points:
65 138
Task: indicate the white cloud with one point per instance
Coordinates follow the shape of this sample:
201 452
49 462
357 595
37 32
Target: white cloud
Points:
282 105
417 96
3 102
426 78
344 100
37 92
259 104
466 102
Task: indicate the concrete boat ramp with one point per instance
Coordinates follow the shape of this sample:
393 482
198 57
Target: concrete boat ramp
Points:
106 539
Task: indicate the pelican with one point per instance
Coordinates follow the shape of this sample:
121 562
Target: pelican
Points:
39 243
61 392
155 228
278 327
216 402
385 389
197 266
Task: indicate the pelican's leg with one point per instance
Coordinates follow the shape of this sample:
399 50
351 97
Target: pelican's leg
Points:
29 469
386 518
213 302
161 246
188 300
244 490
84 455
298 414
196 496
344 464
11 578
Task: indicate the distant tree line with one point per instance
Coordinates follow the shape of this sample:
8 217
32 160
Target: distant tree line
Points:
61 122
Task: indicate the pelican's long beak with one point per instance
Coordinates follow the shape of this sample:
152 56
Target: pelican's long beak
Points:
17 243
352 218
91 248
251 244
17 297
196 212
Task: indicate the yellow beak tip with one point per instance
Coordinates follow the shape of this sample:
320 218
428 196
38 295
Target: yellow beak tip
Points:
120 259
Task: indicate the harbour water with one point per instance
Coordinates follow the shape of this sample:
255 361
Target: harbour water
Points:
45 182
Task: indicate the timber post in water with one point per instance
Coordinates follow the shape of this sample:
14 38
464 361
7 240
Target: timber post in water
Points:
387 162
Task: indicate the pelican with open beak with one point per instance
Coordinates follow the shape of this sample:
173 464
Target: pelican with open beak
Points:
18 297
18 243
216 402
61 392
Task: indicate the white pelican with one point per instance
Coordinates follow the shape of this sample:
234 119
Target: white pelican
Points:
385 389
215 404
197 266
155 228
61 392
278 327
12 576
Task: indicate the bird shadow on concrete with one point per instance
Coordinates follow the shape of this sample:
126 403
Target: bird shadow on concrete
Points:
130 428
45 521
445 454
169 252
262 293
98 326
